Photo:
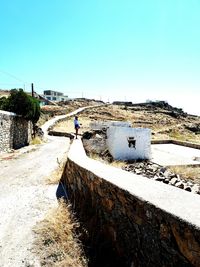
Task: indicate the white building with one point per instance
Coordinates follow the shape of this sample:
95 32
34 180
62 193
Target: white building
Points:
55 96
126 143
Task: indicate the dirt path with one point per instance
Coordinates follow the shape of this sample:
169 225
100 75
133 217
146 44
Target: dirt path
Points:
25 198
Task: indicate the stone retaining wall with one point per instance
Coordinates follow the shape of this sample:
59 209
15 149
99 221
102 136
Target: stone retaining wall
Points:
15 131
131 220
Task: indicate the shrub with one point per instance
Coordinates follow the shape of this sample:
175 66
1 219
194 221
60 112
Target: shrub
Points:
3 103
22 104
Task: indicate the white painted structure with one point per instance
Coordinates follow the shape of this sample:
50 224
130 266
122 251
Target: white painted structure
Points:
55 96
100 125
126 143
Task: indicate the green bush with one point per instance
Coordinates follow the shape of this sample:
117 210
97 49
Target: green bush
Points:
22 104
3 103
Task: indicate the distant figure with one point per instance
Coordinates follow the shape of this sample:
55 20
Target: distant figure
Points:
76 125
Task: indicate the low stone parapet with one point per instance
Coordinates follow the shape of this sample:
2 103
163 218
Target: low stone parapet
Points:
131 219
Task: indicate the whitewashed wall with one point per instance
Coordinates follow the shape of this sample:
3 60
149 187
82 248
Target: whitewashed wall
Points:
120 148
99 125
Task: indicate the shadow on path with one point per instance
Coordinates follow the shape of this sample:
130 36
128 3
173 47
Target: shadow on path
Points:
61 192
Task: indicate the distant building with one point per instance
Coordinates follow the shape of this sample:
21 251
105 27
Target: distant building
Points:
126 103
55 96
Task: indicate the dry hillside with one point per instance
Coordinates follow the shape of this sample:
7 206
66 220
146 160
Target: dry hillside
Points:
164 121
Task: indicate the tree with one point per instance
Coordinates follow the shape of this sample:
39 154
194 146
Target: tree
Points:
3 103
22 104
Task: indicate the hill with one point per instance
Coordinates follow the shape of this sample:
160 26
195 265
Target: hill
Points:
165 121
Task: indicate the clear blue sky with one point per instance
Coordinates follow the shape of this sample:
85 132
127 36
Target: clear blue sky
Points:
110 49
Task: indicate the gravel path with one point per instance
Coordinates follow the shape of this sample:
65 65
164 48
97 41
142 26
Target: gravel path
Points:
25 198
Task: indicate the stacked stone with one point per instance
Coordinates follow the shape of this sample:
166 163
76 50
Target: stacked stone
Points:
21 132
126 230
15 131
162 174
6 128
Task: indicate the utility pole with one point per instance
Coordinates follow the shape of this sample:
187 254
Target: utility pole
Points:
32 90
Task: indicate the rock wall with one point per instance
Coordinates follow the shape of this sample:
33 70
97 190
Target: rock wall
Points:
131 221
15 132
22 132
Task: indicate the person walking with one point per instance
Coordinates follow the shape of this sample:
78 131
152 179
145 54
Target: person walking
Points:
76 125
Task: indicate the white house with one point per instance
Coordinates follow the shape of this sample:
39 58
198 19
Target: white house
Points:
126 143
55 96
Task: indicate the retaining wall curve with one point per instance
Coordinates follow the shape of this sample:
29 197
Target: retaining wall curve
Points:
130 219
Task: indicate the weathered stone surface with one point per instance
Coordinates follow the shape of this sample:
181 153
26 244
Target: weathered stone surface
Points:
180 185
173 181
187 244
15 131
195 189
124 231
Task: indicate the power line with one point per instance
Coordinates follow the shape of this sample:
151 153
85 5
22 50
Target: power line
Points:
11 75
15 84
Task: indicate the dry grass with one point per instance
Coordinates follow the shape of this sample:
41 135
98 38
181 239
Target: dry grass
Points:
180 135
94 156
118 164
36 141
186 172
68 125
55 176
162 125
57 243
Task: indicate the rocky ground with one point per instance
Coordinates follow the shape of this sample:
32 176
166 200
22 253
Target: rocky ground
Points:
95 146
162 174
165 122
63 108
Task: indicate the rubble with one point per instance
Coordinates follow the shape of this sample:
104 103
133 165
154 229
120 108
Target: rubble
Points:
162 174
95 143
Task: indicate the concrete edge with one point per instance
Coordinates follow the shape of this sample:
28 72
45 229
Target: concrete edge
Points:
176 142
177 202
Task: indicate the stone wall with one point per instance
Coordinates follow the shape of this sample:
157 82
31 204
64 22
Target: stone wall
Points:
131 221
15 131
22 132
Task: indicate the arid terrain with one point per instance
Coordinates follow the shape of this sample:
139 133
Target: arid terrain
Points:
35 195
165 122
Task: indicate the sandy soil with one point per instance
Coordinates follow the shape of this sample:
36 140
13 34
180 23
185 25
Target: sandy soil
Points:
25 198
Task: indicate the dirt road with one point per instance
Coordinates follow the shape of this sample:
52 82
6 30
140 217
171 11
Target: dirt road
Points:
25 198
